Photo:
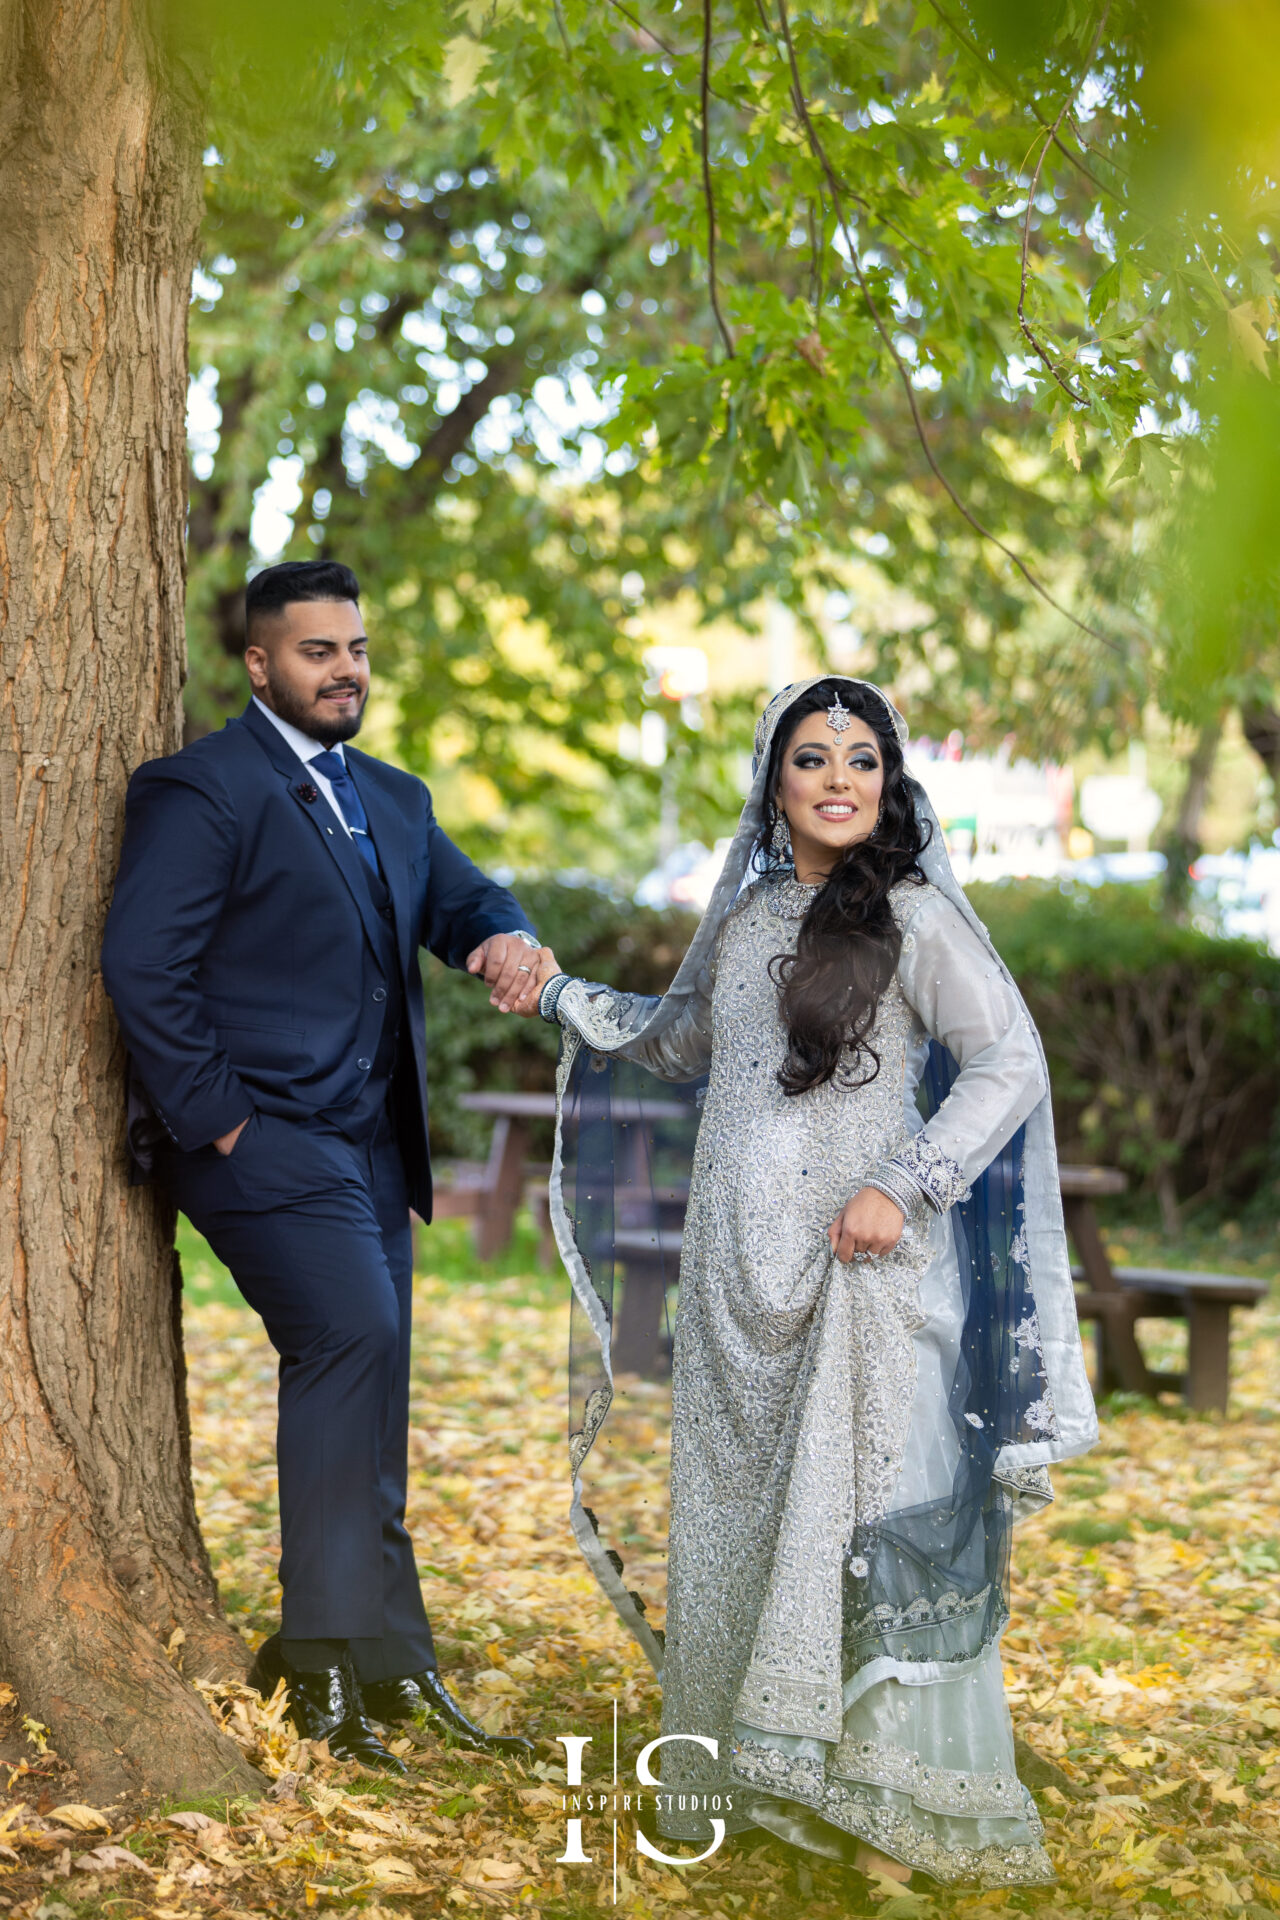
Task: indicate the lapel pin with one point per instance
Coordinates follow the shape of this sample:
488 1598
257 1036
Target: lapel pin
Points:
305 791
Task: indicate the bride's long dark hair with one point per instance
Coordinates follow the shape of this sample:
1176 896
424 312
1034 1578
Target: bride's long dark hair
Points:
848 947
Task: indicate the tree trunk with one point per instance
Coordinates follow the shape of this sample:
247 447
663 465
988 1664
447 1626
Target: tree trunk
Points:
1182 846
100 1550
1262 731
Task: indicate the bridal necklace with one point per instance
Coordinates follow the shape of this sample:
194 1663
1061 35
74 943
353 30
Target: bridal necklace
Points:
790 898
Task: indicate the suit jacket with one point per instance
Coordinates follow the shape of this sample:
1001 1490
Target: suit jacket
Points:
242 945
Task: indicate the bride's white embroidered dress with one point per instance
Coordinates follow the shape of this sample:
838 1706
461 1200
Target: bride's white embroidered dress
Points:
849 1442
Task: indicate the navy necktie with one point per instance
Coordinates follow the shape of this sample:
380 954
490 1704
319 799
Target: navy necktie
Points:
345 792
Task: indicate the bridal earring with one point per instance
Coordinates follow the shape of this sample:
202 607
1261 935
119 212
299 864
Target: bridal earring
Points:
780 842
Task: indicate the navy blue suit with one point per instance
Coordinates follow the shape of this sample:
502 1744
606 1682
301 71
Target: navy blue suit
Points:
260 970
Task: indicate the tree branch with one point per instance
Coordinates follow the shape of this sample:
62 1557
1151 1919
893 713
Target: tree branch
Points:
973 48
904 374
707 190
675 53
1036 346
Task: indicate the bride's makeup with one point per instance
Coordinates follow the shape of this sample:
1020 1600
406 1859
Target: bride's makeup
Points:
830 790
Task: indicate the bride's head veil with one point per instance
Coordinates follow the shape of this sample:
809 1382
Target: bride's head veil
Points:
930 1583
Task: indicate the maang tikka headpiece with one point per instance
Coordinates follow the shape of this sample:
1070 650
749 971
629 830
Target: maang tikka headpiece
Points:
839 718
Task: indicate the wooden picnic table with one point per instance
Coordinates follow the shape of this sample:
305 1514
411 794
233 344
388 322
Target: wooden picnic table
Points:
1120 1359
497 1194
1115 1298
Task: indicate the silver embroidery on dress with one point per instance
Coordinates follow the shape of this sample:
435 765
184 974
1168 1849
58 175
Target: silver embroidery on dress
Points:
935 1173
1031 1486
1040 1416
890 1829
794 1381
1026 1335
603 1018
597 1407
883 1621
875 1763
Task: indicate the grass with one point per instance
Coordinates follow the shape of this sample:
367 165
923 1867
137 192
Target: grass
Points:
446 1247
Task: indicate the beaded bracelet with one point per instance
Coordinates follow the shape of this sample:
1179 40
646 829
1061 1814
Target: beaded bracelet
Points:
549 998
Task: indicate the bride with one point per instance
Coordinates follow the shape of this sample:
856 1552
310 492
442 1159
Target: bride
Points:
876 1352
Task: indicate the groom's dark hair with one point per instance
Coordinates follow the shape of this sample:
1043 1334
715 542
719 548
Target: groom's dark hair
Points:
275 588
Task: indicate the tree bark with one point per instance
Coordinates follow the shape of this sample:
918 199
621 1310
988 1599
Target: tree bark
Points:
100 1550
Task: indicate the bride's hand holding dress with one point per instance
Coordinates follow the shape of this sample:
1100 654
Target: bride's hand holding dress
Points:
865 1226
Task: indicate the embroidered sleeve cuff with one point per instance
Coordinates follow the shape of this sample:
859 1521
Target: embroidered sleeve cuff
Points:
549 998
934 1172
897 1186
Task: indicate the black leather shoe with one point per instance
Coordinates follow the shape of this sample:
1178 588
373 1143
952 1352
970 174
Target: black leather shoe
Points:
325 1706
424 1697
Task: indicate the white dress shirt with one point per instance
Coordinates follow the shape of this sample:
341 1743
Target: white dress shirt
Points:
307 750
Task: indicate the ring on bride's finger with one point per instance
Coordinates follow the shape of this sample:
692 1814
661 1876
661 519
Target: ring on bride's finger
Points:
524 969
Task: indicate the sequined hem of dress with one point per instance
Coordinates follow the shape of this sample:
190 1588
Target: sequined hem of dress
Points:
855 1807
879 1794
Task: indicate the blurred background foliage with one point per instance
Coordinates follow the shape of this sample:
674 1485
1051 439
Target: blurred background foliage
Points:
581 325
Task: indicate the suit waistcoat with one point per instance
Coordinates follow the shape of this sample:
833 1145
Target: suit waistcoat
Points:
360 1116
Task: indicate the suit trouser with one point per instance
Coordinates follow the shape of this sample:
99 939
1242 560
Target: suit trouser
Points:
315 1229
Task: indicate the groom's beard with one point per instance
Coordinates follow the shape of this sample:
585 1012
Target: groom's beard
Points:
306 716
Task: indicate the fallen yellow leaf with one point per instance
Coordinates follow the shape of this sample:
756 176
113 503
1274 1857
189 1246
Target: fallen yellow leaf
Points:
81 1819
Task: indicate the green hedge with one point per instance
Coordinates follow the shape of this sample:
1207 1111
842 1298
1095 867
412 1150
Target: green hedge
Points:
1163 1042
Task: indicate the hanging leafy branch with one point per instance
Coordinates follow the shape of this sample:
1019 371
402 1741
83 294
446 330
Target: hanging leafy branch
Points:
559 319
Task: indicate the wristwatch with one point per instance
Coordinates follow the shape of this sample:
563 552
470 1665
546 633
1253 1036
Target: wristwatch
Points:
529 939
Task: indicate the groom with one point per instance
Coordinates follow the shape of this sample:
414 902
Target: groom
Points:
262 955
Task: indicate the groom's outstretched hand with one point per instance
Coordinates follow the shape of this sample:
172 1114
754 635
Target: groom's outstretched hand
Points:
514 974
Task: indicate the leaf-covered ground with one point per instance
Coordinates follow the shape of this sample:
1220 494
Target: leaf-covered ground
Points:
1142 1663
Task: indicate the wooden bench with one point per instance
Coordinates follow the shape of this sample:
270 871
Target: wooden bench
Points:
1113 1298
492 1200
457 1189
650 1263
1203 1300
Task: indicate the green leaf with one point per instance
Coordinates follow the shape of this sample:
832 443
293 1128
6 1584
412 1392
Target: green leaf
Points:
464 61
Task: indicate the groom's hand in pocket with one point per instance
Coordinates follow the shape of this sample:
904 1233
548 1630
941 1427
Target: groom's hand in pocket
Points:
226 1142
867 1224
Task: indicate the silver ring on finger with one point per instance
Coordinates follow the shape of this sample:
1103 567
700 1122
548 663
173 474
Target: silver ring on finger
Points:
524 969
